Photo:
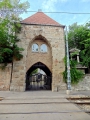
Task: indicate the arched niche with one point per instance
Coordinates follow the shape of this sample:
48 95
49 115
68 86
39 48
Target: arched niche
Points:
39 37
34 57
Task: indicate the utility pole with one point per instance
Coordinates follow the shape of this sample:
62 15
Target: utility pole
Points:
68 64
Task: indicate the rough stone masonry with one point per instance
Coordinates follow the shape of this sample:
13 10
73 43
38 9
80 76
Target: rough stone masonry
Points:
53 37
39 29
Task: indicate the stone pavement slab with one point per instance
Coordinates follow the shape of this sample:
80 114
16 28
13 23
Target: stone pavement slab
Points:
40 105
34 100
45 116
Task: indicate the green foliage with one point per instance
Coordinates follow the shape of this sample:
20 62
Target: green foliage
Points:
8 44
73 54
34 72
85 53
79 36
76 34
76 75
9 26
13 8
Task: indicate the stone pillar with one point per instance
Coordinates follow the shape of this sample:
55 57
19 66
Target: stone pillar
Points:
18 76
78 58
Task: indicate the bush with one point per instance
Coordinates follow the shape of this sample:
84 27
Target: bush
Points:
76 75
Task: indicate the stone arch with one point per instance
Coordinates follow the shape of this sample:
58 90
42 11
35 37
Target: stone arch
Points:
41 65
29 76
42 38
33 57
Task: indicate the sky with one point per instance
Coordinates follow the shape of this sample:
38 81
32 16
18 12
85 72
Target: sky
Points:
72 6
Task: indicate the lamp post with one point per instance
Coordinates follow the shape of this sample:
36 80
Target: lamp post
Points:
68 64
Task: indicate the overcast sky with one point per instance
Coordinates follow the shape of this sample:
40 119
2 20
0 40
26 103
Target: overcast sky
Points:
73 6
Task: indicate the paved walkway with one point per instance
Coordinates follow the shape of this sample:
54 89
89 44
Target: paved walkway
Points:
40 105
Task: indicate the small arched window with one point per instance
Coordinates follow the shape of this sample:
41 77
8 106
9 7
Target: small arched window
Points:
43 48
35 48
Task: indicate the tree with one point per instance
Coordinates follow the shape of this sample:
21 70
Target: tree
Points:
9 25
85 52
12 8
76 34
8 44
34 71
79 37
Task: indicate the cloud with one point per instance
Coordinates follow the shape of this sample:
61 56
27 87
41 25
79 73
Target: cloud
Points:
85 0
63 0
49 5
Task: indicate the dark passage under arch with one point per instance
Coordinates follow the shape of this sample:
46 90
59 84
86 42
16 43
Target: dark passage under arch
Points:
38 81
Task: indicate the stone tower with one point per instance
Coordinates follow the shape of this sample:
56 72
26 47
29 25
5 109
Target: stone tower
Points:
43 41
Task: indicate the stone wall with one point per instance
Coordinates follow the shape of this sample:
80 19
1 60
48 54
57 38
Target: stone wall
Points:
18 76
34 57
53 37
5 76
83 84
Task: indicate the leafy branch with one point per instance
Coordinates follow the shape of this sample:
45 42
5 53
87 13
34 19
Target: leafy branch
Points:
76 75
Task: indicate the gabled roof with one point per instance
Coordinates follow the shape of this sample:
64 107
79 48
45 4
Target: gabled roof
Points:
41 19
74 50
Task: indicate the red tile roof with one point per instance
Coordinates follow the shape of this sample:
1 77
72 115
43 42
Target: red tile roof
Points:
41 19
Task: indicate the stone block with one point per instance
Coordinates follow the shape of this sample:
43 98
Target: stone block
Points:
53 37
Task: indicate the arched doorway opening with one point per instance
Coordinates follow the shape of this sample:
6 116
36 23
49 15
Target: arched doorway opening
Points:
38 77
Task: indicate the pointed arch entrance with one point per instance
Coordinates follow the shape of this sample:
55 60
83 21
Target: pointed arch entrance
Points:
38 80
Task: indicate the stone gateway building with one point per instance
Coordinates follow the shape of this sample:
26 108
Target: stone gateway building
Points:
44 47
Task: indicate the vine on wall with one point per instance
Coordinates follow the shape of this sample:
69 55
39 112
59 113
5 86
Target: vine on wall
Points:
76 75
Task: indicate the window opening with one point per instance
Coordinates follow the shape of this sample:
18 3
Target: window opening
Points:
35 48
43 48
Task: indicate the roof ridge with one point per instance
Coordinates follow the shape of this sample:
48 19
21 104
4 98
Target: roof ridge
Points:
41 19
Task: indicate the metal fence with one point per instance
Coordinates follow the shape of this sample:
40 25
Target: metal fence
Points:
39 82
